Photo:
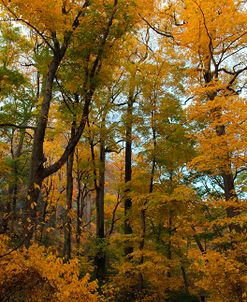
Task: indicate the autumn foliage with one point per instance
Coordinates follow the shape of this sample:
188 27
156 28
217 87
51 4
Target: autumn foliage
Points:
123 139
33 274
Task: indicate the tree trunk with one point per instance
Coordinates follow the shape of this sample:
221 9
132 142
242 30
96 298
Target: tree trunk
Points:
37 158
128 172
69 198
100 259
101 193
78 214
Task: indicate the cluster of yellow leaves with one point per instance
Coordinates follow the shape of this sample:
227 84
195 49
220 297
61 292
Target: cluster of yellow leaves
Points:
210 22
39 276
216 151
221 276
52 15
158 205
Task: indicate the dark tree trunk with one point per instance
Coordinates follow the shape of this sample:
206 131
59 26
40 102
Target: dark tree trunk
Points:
82 192
100 259
128 172
69 198
38 159
79 210
185 279
101 193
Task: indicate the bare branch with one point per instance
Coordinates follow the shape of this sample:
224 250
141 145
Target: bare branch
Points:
155 29
10 125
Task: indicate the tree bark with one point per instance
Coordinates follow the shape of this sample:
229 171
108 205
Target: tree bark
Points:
128 171
79 210
38 158
69 199
100 259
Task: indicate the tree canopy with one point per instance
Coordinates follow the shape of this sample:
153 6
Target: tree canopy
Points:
123 150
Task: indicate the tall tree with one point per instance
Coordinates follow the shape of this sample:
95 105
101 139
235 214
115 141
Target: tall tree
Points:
215 47
58 31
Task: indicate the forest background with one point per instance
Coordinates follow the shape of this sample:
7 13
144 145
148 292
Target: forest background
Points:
123 150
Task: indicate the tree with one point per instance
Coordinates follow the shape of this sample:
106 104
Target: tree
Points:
213 43
57 31
123 150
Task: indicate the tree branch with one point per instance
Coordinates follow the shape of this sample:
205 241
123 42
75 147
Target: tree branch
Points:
10 125
164 34
28 24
